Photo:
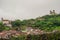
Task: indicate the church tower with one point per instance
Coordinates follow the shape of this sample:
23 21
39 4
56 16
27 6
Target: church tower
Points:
53 12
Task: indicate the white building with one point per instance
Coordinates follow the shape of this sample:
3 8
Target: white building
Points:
6 22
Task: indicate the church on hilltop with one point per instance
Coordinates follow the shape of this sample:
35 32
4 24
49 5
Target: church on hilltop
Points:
52 12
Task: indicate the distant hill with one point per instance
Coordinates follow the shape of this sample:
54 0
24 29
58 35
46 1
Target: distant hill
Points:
47 22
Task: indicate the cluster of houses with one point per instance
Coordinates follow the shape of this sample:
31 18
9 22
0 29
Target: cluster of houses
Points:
14 33
10 33
30 30
27 31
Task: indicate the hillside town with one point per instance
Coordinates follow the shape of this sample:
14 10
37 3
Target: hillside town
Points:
17 28
6 34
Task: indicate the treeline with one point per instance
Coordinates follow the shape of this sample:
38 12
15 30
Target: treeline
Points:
47 22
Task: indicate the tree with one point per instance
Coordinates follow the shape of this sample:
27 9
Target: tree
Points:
16 23
1 26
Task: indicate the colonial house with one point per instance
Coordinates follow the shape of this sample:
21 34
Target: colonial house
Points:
6 22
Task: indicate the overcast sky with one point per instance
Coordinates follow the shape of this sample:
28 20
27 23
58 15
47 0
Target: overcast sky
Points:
26 9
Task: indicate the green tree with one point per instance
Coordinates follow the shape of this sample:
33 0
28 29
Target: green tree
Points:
16 23
1 26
